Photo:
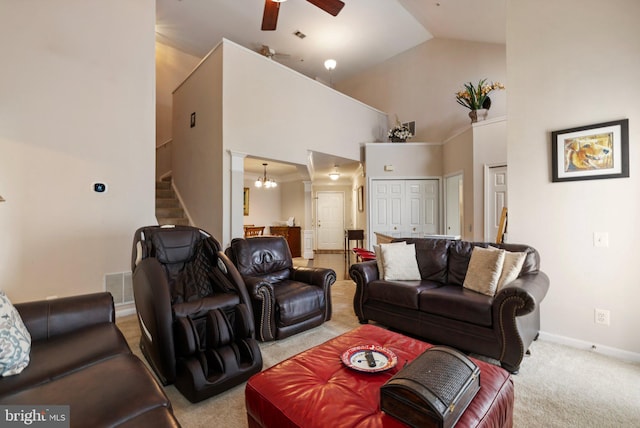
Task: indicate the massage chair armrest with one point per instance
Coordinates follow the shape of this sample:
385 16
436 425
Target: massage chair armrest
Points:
48 318
321 277
155 316
527 291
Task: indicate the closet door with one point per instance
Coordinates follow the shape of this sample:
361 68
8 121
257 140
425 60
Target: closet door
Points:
422 213
387 208
405 208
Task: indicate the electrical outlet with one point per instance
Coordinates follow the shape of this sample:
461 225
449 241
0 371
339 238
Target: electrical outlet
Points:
602 316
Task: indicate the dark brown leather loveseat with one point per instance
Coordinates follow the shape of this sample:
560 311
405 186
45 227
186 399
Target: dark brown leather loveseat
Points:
80 359
440 310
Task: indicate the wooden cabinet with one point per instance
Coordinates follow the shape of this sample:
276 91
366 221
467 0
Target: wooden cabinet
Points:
292 235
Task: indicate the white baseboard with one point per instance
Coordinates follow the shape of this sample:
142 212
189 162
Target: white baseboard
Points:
125 310
594 347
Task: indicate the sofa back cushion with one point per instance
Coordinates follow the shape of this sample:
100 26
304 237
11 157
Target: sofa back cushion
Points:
432 255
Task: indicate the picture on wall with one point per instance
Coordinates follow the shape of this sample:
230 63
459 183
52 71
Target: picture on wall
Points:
591 152
245 205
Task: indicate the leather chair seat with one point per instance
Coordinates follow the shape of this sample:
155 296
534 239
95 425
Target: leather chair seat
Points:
297 302
453 301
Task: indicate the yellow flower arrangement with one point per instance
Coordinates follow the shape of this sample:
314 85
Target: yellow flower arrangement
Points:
475 97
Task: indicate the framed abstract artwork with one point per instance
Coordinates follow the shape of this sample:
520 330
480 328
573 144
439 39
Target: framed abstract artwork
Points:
591 152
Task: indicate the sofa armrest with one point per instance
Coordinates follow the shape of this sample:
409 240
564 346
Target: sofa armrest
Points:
362 274
263 302
321 277
516 313
48 318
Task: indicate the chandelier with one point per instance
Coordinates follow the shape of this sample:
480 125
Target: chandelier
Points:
264 181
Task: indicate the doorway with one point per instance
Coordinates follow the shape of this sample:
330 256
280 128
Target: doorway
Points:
453 205
495 198
330 220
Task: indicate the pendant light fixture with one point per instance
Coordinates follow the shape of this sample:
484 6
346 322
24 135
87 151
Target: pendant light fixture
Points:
264 181
335 174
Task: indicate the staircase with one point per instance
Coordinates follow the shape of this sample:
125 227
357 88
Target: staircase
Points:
168 209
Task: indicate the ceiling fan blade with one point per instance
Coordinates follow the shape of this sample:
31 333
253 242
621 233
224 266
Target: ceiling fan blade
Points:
270 16
332 7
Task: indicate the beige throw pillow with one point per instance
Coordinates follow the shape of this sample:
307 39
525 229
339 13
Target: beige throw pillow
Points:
485 268
399 262
378 251
513 263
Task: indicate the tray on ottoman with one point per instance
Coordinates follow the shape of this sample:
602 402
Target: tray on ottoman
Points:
433 390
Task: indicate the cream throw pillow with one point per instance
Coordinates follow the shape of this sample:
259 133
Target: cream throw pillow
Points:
399 262
376 249
513 263
485 268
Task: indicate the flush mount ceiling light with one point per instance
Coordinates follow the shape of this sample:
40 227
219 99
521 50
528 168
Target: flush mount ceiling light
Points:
264 181
335 174
330 64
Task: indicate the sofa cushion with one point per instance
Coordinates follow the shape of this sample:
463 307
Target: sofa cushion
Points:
15 340
65 353
455 302
459 257
401 293
432 256
485 268
399 262
107 393
297 302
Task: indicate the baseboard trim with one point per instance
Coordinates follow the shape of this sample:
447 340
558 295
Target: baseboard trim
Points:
125 310
594 347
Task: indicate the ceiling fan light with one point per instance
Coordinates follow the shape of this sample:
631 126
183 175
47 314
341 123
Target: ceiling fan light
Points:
330 64
278 1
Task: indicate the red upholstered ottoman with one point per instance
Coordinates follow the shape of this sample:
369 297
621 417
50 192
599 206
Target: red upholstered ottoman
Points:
314 388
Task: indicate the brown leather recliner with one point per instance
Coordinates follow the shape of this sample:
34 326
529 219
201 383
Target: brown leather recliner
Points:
286 299
195 316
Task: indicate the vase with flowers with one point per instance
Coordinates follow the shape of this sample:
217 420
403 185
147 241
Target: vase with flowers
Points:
399 133
477 97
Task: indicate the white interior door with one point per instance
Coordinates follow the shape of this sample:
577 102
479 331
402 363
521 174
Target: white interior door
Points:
495 199
330 220
422 213
453 205
387 207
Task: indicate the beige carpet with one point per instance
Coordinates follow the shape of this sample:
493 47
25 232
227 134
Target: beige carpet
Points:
557 386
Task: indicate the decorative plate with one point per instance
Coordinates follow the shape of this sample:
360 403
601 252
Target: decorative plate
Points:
380 359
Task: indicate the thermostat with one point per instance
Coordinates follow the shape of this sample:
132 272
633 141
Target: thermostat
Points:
99 187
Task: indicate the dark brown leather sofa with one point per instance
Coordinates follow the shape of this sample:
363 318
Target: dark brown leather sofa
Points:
286 299
438 309
79 358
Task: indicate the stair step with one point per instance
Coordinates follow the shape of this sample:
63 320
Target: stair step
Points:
167 203
165 185
169 212
164 194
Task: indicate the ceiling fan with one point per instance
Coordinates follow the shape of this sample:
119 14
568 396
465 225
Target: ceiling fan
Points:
272 7
271 53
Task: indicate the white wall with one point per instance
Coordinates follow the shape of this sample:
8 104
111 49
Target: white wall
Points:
77 106
264 205
420 84
457 157
581 68
256 107
197 152
409 160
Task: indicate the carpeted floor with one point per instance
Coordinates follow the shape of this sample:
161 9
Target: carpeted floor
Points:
557 386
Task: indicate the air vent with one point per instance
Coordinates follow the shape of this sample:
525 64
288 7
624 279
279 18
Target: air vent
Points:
299 34
120 286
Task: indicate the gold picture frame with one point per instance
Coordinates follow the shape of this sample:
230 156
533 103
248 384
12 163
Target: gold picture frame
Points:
245 201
